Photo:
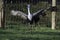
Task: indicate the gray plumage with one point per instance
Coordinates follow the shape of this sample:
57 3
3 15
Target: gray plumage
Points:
30 17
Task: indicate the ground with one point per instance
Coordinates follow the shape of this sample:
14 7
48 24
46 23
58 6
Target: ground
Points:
19 32
28 33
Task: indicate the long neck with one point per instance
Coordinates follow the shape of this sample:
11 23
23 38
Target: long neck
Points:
28 10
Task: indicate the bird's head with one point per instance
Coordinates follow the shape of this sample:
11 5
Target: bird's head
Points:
28 6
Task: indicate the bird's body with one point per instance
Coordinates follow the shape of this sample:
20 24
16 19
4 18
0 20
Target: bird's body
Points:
31 18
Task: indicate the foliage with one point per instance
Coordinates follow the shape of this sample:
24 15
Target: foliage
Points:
23 7
28 33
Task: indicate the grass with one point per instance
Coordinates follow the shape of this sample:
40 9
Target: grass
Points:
18 31
28 33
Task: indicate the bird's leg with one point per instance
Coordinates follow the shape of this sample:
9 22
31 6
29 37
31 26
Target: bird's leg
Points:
29 24
35 24
30 27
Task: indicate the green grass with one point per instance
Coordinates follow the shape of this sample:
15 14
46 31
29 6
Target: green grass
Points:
29 33
17 31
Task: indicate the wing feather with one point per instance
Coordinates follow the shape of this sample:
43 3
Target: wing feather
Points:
37 13
41 11
19 13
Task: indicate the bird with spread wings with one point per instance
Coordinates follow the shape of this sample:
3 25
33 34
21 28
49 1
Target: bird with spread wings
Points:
30 17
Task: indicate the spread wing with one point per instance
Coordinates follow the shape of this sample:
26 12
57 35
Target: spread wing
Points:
19 13
41 12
